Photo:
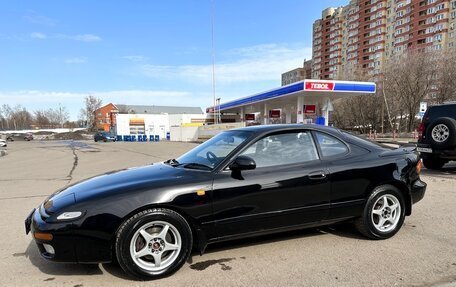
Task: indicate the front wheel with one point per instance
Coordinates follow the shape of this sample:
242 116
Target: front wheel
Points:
383 214
153 243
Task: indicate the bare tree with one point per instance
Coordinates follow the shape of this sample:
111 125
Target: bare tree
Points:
2 119
360 112
87 114
53 117
19 117
40 118
405 81
62 115
445 84
7 111
408 79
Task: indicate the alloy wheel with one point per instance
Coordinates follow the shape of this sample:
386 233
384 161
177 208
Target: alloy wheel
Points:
155 246
386 213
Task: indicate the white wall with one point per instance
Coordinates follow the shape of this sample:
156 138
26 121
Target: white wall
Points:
177 120
154 124
184 134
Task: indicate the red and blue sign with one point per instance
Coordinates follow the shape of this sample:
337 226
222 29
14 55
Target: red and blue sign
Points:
305 86
319 86
339 86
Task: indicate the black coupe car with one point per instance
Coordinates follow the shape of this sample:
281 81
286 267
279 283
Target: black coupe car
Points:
242 182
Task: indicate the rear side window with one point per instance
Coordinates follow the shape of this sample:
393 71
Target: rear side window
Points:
330 146
283 149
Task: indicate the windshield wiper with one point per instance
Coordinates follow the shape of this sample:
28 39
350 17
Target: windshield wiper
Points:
172 162
195 165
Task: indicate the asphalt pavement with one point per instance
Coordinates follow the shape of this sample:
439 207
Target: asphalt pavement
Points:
423 253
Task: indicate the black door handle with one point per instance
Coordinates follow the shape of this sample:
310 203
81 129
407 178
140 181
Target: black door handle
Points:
317 175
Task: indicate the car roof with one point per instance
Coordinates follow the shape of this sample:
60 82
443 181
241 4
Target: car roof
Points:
350 138
285 127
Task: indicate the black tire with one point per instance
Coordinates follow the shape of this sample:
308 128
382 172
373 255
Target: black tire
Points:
95 140
105 140
447 123
433 163
366 224
131 226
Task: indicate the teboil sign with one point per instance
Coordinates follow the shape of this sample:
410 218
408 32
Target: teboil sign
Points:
319 86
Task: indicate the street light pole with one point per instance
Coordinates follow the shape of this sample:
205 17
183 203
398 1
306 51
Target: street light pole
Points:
213 60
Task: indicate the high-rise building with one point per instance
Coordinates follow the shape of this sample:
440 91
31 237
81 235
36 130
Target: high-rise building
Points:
365 34
452 25
327 44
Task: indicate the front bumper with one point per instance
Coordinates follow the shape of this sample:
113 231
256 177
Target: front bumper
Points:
418 190
70 243
62 240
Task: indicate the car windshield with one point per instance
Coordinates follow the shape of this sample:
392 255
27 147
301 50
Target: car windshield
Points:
210 153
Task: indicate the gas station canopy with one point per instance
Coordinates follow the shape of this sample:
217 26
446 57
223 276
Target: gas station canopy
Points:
299 102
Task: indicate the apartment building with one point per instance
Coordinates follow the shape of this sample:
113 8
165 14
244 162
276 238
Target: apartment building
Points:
452 25
327 44
367 33
298 74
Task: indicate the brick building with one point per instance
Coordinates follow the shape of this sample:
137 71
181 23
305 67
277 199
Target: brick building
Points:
105 117
367 33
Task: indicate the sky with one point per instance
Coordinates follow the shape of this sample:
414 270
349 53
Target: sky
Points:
149 52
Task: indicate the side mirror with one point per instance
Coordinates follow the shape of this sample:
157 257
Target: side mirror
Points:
243 162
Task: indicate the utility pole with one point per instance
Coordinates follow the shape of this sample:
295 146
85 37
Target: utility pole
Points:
213 62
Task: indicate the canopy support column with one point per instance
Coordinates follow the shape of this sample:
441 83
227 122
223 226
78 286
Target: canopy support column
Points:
299 110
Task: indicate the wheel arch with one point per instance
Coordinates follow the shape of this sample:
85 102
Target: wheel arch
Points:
199 237
402 187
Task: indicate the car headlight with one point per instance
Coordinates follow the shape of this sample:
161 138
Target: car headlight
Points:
69 215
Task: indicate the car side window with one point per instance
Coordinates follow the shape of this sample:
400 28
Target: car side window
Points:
330 146
282 149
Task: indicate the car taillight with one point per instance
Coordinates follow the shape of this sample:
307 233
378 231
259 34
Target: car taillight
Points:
419 166
421 131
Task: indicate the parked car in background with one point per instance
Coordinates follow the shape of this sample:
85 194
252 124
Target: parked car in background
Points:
104 136
28 137
240 183
3 143
437 138
9 137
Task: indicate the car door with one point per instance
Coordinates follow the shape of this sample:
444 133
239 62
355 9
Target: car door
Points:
349 172
288 188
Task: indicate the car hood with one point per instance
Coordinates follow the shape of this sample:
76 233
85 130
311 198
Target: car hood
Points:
124 181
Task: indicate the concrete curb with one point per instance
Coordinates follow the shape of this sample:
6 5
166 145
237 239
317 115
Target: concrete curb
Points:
2 152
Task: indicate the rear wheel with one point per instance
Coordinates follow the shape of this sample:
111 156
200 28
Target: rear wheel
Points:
383 214
153 243
433 163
